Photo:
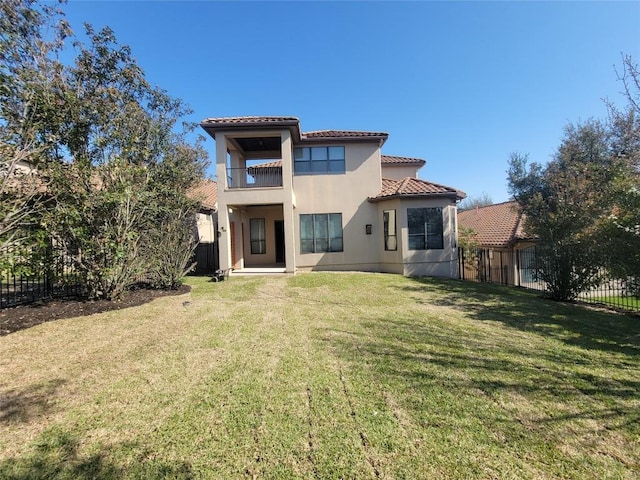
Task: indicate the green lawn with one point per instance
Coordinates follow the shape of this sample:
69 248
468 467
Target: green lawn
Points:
326 376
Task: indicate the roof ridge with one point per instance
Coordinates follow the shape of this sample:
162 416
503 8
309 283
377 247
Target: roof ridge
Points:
494 204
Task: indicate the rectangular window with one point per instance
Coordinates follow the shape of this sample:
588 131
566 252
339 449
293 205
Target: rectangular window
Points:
321 232
318 160
425 228
258 237
390 239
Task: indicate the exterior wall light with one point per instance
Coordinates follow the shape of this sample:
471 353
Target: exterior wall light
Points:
368 228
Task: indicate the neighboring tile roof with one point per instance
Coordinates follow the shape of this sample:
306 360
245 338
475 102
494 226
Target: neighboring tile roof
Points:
206 192
414 187
496 225
275 163
393 160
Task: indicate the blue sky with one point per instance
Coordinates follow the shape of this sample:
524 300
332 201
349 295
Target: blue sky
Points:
460 84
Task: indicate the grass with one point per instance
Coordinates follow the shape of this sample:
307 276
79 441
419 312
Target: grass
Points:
325 376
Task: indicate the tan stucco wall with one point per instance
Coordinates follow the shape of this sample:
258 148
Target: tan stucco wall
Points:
399 172
437 263
270 214
346 194
390 261
206 227
239 198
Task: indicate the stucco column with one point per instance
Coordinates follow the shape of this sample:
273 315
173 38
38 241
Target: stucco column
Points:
288 202
224 240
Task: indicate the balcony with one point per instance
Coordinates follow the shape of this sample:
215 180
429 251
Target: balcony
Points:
256 176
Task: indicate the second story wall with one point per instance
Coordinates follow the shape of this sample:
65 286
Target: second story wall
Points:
346 194
339 191
399 172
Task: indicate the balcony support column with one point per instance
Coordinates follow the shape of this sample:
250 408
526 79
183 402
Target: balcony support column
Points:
289 202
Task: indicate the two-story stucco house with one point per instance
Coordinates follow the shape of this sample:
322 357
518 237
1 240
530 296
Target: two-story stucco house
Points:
326 200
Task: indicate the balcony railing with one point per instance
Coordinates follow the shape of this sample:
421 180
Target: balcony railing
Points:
254 177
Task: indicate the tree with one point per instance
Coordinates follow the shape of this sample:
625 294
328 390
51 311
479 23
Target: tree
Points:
29 74
471 202
127 174
107 150
171 231
620 230
563 202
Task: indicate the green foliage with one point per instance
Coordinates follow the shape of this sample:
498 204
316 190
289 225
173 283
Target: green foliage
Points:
468 242
563 201
104 149
29 75
475 201
620 230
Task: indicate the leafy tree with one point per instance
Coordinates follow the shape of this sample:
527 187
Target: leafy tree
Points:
620 230
127 175
107 152
475 201
171 236
29 74
563 202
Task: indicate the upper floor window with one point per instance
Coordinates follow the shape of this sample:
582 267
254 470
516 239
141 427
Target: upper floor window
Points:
425 228
318 160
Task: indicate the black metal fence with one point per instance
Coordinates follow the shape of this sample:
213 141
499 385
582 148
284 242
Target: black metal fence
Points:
206 258
27 278
517 267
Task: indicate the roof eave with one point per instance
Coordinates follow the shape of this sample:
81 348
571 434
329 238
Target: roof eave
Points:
412 196
315 140
214 127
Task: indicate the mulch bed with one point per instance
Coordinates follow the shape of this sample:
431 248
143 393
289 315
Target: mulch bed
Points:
26 316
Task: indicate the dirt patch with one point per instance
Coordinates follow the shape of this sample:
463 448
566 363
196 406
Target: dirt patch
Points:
26 316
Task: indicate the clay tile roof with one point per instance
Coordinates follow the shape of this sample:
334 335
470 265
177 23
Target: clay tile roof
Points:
394 160
495 225
275 163
384 160
414 187
247 120
206 192
342 134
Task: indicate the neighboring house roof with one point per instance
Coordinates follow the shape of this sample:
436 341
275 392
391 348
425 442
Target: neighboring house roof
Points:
207 193
497 225
401 161
414 187
275 163
211 125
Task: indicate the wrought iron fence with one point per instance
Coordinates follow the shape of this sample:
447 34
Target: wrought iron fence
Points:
518 267
27 278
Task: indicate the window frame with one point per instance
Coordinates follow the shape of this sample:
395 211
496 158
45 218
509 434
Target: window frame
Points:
426 240
322 238
261 236
319 160
390 246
